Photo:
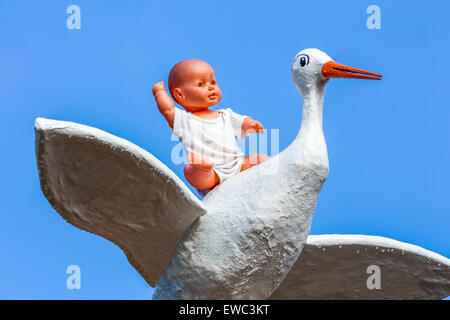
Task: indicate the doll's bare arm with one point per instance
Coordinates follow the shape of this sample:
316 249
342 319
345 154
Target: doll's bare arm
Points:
249 125
164 102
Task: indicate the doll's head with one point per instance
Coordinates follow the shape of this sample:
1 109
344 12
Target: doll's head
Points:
193 86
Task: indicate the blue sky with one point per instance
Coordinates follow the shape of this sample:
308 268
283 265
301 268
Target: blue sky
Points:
388 141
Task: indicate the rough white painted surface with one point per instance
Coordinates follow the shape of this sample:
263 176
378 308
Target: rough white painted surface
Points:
334 267
108 186
258 220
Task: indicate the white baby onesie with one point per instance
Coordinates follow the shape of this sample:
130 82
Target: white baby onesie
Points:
215 139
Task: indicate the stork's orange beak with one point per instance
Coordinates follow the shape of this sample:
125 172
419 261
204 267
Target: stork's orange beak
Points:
333 69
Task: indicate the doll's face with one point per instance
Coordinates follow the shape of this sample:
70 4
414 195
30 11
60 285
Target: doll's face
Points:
196 87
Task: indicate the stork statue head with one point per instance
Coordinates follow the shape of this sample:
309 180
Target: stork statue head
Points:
312 67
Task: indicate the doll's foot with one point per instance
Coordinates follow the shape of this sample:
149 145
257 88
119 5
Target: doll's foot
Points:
199 172
198 161
253 160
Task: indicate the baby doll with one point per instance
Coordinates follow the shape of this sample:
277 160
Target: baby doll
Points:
208 136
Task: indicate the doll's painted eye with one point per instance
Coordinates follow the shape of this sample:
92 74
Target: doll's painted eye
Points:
200 84
213 82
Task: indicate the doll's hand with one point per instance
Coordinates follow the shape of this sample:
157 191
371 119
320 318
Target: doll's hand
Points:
251 126
157 87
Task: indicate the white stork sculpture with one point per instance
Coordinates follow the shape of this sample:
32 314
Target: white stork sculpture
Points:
237 243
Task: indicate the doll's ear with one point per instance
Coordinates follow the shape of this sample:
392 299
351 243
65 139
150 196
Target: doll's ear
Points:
178 95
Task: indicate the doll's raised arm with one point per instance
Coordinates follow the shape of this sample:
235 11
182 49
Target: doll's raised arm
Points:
164 102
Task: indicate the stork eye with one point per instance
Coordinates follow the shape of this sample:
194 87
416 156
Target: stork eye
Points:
304 60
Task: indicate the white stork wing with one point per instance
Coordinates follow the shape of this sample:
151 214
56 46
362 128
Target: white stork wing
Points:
336 267
108 186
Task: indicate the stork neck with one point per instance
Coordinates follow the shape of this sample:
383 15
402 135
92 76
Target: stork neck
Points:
309 145
313 106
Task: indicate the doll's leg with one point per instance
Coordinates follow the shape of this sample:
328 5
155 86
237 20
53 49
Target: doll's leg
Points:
199 172
253 160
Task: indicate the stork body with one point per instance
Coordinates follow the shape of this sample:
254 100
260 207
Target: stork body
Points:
248 241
